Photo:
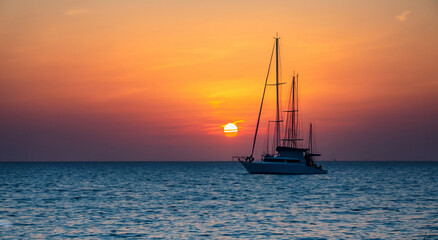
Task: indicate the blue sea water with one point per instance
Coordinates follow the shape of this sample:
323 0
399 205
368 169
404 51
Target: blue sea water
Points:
195 200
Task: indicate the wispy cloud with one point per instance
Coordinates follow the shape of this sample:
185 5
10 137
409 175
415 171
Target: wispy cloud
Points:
238 121
76 11
403 16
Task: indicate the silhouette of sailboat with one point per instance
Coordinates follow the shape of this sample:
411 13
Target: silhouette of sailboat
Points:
290 157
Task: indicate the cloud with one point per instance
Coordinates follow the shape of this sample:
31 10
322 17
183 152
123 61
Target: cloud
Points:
75 11
238 121
402 17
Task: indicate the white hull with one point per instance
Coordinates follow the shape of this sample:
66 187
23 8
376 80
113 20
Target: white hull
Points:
280 168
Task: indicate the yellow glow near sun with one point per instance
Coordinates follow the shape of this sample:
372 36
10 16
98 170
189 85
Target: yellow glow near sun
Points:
230 130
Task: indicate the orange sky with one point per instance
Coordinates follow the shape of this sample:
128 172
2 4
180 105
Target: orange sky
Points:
111 80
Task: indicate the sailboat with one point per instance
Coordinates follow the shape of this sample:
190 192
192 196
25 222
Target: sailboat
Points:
290 157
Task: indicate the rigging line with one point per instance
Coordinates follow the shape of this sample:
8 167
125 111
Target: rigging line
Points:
289 112
267 141
261 104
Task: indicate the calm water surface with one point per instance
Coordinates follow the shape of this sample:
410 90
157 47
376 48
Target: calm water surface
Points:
356 200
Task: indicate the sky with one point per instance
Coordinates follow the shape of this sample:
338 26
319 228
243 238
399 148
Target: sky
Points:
158 80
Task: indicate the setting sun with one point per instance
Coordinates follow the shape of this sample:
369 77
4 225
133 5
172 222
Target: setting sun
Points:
230 130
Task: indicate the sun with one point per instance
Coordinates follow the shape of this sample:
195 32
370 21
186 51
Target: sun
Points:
230 130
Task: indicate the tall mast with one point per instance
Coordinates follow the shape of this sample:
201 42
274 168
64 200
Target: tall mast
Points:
293 135
291 132
296 127
277 119
287 128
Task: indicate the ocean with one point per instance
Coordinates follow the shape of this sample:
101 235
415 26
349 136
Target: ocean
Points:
217 200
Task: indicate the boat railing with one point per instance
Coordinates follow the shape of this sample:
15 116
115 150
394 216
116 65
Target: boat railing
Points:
243 158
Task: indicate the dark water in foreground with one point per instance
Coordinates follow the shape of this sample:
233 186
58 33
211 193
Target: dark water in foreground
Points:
375 200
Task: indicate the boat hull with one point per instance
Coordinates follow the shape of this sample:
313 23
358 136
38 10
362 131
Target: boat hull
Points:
280 168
